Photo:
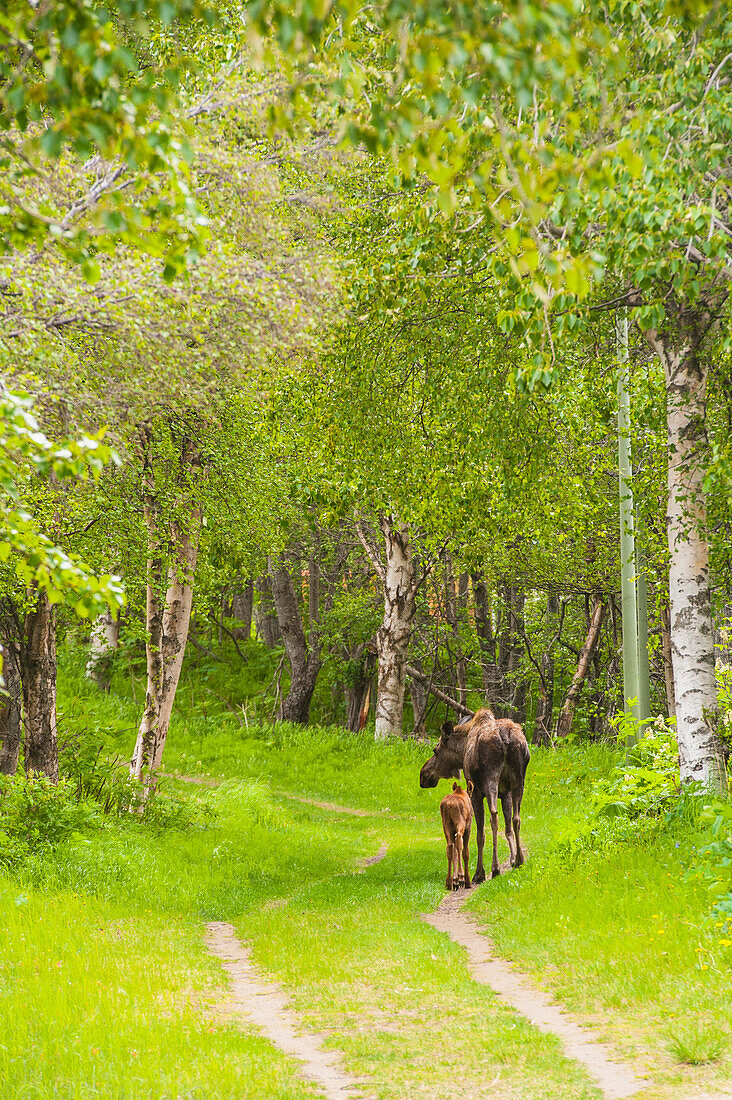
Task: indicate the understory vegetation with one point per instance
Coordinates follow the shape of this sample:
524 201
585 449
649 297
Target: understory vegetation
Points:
103 964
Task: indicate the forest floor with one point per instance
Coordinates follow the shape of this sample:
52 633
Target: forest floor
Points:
273 943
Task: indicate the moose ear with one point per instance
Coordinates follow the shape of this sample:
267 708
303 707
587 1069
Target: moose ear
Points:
447 729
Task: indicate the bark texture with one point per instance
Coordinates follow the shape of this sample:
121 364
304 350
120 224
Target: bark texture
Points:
486 640
102 644
265 615
692 640
303 657
38 677
11 709
399 580
564 723
168 623
668 663
242 604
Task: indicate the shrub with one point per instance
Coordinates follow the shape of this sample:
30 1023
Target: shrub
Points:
35 813
715 866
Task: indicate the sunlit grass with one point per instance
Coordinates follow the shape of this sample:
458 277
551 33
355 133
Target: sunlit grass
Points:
106 987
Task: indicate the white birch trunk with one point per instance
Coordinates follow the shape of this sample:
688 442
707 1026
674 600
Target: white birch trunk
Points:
692 641
168 634
392 639
103 642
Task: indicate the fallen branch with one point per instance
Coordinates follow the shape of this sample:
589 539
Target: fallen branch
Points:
420 676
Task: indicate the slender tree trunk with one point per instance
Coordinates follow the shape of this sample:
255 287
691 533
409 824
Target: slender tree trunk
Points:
512 692
486 640
11 707
38 677
545 704
168 634
692 640
265 615
303 658
668 664
454 604
358 695
242 603
564 723
420 697
392 640
102 644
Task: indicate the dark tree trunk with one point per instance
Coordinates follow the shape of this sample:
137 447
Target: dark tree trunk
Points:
512 692
420 697
303 658
486 640
38 676
265 614
454 611
11 708
358 695
564 723
545 704
242 603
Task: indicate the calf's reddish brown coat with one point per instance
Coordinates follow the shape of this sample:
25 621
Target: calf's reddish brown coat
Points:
457 814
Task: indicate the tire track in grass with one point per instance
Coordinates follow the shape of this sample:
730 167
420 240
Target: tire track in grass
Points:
614 1079
263 1003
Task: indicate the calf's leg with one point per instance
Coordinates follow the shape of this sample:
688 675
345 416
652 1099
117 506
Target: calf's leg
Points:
466 854
458 848
450 864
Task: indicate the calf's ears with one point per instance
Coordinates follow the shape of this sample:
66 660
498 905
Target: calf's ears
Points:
447 729
469 787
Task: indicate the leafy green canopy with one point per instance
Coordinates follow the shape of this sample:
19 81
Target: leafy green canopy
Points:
590 139
24 450
97 83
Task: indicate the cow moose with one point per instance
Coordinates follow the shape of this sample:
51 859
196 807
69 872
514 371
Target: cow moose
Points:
494 755
457 814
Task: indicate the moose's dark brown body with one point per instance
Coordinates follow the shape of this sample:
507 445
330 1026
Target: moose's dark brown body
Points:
494 755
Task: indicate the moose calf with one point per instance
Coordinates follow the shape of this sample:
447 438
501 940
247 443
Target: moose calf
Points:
457 814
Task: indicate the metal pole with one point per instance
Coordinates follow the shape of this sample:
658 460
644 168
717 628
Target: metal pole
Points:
627 533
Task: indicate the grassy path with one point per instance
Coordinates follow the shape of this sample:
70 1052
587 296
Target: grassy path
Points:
107 989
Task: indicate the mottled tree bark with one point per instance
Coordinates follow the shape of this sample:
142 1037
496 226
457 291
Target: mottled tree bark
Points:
692 640
11 709
168 627
399 581
303 657
38 677
102 644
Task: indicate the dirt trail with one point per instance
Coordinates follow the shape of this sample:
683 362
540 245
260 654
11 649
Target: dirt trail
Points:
334 807
615 1080
265 1004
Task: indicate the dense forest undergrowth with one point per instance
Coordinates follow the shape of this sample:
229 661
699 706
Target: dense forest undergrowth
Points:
107 989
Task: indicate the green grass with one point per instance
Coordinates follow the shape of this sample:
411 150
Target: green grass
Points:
106 989
623 937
